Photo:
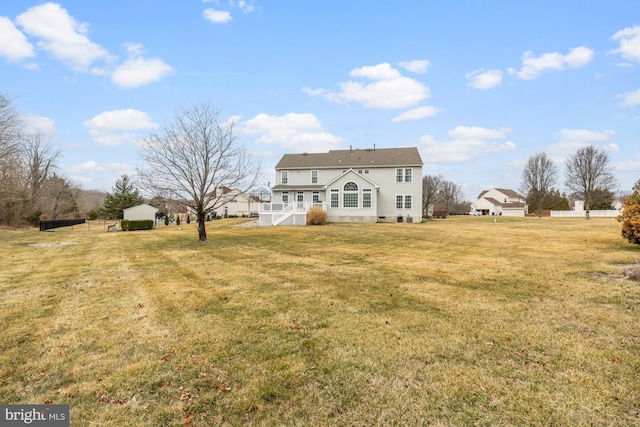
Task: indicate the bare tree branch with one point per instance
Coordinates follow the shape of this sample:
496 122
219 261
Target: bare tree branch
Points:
588 171
192 159
538 179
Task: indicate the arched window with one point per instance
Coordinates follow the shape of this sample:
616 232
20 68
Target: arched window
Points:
350 186
350 195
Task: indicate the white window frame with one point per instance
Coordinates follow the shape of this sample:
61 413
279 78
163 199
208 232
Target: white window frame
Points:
316 197
300 196
314 176
399 174
367 198
352 203
284 177
408 175
335 198
285 197
404 201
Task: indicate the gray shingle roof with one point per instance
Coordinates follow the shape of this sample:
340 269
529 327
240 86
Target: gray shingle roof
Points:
378 157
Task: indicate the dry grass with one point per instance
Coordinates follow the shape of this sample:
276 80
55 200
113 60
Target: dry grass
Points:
455 322
317 216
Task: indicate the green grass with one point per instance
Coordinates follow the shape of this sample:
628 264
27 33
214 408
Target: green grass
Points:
453 322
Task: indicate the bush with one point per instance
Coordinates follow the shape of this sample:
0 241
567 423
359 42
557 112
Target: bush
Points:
630 216
133 225
316 216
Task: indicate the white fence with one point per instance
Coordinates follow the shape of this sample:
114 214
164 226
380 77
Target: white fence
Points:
612 213
286 213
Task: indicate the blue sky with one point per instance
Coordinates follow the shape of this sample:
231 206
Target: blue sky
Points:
477 86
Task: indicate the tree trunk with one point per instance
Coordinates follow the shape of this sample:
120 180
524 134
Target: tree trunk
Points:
202 231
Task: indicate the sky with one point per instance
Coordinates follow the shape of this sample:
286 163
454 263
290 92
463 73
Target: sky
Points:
477 86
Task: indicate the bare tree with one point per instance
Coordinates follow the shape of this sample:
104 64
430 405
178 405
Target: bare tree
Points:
587 172
538 179
40 157
12 194
450 195
193 158
57 198
9 128
431 185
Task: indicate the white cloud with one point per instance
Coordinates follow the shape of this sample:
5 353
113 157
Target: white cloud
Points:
628 165
92 166
314 92
416 66
477 133
468 143
118 126
571 140
292 131
629 40
389 89
61 36
217 16
14 46
481 79
39 124
583 136
246 7
417 114
532 67
629 99
137 72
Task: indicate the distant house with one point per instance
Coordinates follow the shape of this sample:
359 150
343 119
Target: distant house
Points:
140 212
236 203
370 185
500 201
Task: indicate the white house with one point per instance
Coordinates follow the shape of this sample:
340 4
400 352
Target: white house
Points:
140 212
236 203
371 185
500 201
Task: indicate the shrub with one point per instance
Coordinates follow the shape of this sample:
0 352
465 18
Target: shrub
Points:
188 219
166 220
178 220
133 225
630 216
316 216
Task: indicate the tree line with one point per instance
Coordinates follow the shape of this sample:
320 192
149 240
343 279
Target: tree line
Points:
30 186
587 175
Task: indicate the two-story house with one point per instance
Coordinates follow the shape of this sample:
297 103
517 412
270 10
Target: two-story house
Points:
371 185
500 201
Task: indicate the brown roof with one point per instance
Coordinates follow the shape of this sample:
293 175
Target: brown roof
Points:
371 157
512 205
510 193
493 201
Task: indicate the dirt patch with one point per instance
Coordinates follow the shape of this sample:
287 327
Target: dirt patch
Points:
37 245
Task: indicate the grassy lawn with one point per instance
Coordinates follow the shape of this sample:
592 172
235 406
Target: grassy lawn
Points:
453 322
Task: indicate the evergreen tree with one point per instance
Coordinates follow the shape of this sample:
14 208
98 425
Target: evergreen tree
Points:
123 195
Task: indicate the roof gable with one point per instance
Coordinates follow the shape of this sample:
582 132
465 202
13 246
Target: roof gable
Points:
376 157
351 171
